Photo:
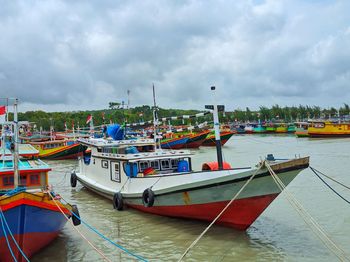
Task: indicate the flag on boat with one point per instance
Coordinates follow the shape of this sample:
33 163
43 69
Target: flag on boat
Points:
2 110
89 118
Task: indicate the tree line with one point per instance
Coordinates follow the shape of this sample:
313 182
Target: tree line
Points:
117 114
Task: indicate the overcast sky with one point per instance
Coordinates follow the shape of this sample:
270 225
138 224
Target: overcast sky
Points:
77 55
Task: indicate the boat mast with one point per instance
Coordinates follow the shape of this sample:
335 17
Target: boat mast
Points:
15 142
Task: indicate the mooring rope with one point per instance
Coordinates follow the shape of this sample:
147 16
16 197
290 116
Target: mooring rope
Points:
308 219
347 201
7 241
79 232
218 216
314 169
2 216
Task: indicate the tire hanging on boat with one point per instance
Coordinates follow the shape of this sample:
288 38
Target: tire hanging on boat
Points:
73 180
118 201
148 197
76 216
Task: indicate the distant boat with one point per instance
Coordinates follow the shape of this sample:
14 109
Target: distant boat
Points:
259 129
224 137
59 149
328 129
270 128
249 129
281 128
174 143
195 140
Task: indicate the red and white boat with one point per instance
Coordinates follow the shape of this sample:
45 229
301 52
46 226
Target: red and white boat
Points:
119 170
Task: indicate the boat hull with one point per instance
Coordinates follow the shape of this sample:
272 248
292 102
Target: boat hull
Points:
33 223
65 152
224 137
176 143
196 141
202 195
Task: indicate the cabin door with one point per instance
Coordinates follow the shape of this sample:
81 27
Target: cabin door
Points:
115 171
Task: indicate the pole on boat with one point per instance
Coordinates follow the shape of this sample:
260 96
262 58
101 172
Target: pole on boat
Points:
155 118
215 109
15 142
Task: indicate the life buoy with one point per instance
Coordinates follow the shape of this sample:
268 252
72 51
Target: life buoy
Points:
73 180
76 216
148 197
118 201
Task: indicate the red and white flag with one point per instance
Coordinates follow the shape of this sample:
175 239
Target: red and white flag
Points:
89 118
2 110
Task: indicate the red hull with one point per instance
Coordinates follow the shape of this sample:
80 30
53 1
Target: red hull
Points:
224 137
240 214
32 243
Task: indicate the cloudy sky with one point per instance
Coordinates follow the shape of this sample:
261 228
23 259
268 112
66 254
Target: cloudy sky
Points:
77 55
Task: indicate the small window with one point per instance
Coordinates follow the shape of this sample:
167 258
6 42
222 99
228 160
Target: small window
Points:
143 165
174 162
104 164
115 172
8 181
23 181
165 164
155 164
34 180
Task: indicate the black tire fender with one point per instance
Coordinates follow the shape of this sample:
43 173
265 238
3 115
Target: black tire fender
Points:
76 216
118 201
148 197
73 180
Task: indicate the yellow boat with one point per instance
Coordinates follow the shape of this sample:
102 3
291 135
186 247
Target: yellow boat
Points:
281 128
328 129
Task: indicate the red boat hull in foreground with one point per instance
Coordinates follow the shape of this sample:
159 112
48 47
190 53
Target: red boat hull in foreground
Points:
240 214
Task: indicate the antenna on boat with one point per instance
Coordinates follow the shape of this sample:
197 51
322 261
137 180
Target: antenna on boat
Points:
215 109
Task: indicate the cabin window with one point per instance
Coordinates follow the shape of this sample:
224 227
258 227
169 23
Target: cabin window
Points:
115 171
104 164
174 162
8 181
155 164
23 181
143 165
165 164
34 180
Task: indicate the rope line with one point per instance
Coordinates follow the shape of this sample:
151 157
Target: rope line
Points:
330 178
308 219
106 238
313 170
7 241
218 216
79 232
2 215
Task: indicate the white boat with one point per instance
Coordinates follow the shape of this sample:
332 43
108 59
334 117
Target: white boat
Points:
137 174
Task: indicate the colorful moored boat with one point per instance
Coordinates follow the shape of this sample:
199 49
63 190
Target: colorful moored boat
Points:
328 129
174 143
224 137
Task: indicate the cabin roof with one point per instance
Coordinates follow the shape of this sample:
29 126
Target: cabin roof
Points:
7 165
159 154
101 142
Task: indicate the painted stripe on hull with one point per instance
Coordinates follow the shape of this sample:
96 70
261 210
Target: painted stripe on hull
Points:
32 243
197 141
211 141
68 153
240 214
324 135
177 144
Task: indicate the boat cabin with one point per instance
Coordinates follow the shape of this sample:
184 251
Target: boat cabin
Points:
32 174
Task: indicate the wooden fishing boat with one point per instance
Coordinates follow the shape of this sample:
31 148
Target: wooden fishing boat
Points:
195 140
259 129
270 128
281 128
163 182
224 137
59 149
301 129
328 129
31 214
174 142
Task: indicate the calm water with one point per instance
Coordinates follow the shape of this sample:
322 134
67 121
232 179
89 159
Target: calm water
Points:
279 234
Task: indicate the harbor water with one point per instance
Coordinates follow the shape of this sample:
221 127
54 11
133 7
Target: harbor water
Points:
279 234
